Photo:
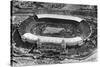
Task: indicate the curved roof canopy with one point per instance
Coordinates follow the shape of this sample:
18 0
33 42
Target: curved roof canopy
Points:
59 17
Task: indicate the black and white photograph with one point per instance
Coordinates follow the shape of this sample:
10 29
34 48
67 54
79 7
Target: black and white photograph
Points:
44 33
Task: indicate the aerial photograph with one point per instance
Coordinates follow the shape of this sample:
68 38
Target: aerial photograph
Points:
52 33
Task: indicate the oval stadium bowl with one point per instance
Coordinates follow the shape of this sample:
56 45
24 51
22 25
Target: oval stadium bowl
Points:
57 33
53 28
